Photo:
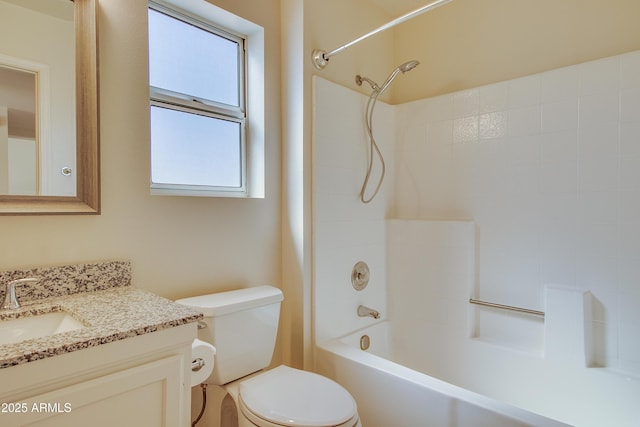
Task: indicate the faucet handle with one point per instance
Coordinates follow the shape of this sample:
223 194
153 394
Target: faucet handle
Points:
10 299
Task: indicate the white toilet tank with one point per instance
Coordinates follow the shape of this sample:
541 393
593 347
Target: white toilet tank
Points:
242 325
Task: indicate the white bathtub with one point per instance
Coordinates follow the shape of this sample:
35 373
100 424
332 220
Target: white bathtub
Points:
390 394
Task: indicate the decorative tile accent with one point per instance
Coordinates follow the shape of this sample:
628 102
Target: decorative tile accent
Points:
68 279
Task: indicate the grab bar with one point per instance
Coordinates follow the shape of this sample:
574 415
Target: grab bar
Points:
506 307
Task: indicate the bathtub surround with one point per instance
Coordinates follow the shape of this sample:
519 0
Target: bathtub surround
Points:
568 326
345 230
547 167
543 169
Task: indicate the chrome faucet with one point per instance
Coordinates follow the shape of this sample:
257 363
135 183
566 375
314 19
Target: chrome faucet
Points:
368 312
10 299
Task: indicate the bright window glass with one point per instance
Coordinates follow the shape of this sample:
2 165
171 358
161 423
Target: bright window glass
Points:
194 149
186 59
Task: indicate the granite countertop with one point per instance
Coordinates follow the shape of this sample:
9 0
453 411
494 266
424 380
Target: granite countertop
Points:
109 315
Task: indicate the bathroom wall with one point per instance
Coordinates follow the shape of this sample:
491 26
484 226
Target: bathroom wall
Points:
178 246
318 24
470 43
547 167
346 230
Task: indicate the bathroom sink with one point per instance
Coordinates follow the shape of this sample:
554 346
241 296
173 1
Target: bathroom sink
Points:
37 326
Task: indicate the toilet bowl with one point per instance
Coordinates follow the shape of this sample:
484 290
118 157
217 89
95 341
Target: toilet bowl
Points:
242 325
285 396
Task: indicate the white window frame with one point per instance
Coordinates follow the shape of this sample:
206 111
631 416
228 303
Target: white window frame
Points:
250 113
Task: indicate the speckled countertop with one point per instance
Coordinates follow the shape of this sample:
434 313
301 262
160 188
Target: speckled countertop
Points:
109 314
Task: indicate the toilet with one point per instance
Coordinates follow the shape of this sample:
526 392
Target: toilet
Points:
242 325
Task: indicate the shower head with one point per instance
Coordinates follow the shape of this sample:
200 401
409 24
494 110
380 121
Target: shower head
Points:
407 66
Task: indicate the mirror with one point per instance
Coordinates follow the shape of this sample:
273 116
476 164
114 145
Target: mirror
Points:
49 148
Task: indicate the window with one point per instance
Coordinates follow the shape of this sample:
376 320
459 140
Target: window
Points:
198 99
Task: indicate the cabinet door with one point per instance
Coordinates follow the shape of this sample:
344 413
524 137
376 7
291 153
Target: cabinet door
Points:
149 395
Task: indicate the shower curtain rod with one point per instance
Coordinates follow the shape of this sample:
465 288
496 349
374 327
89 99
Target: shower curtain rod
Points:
321 57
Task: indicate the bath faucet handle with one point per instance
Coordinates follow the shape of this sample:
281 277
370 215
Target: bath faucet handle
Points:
10 299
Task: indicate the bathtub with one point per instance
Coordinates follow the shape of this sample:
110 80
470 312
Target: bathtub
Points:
393 394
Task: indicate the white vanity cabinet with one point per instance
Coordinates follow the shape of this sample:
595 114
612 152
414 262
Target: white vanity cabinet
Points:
139 381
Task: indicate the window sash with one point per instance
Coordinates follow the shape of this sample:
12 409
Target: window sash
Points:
185 99
197 189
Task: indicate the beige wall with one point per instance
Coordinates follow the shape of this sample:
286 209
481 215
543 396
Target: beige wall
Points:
330 24
468 43
179 246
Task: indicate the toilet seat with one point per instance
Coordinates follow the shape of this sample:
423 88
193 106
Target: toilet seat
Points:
286 396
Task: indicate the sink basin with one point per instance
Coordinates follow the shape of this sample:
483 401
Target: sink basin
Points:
37 326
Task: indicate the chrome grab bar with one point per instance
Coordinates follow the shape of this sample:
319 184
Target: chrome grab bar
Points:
506 307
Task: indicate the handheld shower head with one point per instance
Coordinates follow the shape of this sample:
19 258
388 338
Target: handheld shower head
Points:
407 66
371 103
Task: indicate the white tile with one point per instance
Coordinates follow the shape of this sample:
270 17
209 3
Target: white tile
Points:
524 120
440 133
629 324
493 125
559 146
465 103
598 206
558 208
630 70
440 108
600 76
523 179
630 139
560 84
559 177
628 274
465 129
524 149
493 98
629 206
630 105
598 240
558 254
598 140
630 172
560 115
630 239
598 173
524 91
600 108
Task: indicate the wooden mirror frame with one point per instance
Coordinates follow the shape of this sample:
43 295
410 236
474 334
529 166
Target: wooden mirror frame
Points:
87 199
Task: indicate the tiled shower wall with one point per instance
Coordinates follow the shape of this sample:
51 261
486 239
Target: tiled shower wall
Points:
345 230
548 167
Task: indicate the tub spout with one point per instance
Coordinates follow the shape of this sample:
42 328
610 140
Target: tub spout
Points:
368 312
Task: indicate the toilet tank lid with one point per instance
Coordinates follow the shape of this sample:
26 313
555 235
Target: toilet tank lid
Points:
221 303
